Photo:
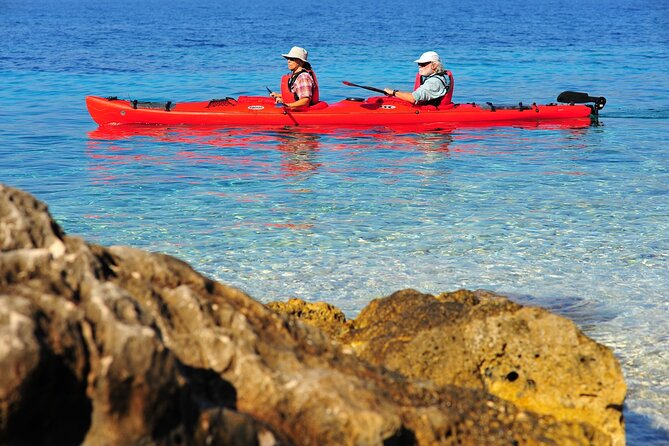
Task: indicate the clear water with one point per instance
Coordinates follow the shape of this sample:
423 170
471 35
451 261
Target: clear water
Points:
572 219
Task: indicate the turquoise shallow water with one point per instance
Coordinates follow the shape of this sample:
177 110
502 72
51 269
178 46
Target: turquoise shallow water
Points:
572 219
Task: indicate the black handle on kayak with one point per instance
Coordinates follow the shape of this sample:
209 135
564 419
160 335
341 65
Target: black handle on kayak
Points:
377 90
574 97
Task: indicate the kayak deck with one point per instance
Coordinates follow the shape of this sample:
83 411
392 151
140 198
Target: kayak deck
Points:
261 110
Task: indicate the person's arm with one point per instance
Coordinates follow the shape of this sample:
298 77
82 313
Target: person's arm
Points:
404 95
299 103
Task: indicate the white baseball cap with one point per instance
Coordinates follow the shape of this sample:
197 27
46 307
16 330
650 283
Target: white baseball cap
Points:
429 56
297 53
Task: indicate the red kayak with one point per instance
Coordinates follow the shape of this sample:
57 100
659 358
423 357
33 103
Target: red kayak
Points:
374 111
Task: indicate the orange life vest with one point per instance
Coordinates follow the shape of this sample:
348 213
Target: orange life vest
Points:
445 99
288 80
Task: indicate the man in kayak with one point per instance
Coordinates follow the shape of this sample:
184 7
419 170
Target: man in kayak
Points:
434 82
299 88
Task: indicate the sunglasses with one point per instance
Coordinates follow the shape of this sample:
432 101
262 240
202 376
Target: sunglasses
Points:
292 59
424 64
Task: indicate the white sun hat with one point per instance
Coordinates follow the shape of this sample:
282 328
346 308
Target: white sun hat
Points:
297 53
429 56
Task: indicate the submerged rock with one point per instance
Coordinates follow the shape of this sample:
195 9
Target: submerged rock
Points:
103 346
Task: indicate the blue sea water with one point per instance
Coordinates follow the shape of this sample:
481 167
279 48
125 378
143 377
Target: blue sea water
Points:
573 219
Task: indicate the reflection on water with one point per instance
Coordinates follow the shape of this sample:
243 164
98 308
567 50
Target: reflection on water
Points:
300 153
357 185
300 147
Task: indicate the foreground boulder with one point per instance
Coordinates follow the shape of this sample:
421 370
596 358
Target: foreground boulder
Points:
105 346
539 361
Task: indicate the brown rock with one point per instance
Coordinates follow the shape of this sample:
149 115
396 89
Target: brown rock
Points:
327 317
118 346
539 361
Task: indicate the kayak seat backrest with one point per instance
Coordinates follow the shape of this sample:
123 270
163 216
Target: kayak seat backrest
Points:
448 98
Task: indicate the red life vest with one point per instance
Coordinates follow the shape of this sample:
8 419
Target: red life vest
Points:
447 98
288 80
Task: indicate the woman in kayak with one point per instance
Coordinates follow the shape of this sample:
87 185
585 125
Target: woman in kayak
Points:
434 82
299 88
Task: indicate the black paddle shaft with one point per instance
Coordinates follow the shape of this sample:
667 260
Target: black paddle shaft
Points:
377 90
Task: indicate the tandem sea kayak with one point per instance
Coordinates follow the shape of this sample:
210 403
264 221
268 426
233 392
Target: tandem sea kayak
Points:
374 111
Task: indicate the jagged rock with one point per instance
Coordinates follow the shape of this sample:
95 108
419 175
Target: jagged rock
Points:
539 361
325 316
105 346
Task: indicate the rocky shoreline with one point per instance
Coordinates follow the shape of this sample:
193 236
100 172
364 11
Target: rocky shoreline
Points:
113 345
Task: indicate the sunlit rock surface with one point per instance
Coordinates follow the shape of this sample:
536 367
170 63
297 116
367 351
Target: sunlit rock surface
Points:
539 361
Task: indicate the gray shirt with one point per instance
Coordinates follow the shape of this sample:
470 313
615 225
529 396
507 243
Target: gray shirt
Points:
432 88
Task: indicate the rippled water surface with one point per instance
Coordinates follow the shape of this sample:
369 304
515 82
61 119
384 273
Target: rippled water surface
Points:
572 218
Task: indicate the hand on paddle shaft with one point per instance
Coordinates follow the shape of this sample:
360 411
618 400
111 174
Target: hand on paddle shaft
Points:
276 96
279 100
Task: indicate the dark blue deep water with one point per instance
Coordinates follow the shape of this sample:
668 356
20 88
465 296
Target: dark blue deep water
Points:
572 219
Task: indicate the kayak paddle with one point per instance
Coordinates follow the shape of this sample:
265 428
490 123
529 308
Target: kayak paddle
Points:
575 97
377 90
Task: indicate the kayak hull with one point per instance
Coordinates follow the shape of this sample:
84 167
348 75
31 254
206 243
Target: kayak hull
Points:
374 111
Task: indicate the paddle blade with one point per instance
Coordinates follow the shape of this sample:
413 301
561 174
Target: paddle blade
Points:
574 97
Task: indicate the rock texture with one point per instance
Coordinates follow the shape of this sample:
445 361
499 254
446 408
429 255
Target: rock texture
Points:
537 360
106 346
327 317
